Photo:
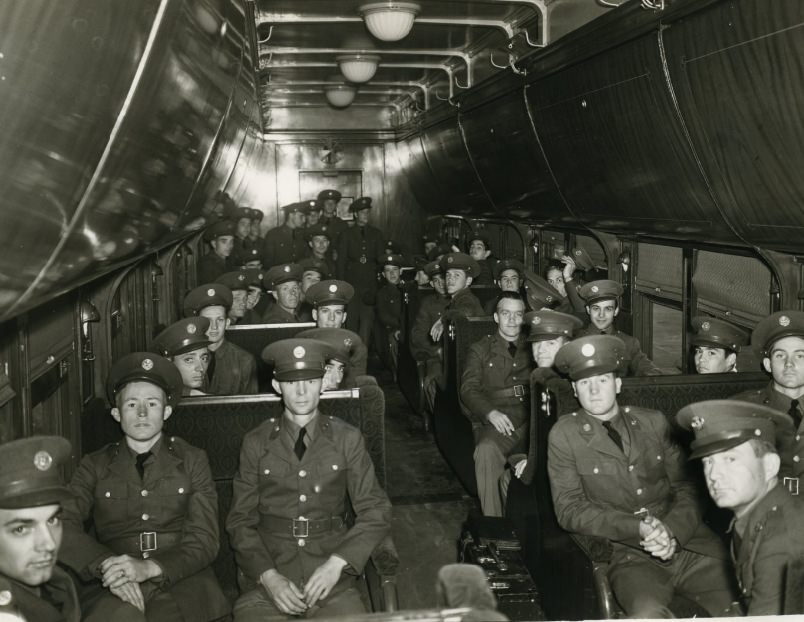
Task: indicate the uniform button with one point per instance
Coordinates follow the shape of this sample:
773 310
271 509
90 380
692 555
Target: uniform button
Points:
145 517
659 458
595 470
108 494
317 488
144 493
630 467
334 467
798 437
181 491
639 491
5 598
266 471
302 473
301 542
302 498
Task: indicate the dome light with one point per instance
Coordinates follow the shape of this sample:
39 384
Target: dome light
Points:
358 67
389 21
340 95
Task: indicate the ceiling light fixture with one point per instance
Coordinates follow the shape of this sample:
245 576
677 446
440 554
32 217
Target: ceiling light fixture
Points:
340 95
389 21
358 67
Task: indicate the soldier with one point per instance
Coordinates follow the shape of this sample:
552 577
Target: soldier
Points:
255 240
358 250
779 341
283 282
242 221
238 283
494 396
479 249
221 238
314 213
389 303
329 300
329 202
508 276
561 277
428 244
337 367
737 444
422 346
153 505
716 345
459 272
32 492
186 344
256 303
603 305
296 478
615 473
231 370
287 242
319 239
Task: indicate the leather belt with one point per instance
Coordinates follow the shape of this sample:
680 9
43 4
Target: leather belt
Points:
791 483
145 543
518 390
301 527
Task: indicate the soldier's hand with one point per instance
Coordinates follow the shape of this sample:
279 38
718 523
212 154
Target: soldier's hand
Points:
286 596
130 593
658 541
323 580
569 267
501 422
437 330
519 468
120 569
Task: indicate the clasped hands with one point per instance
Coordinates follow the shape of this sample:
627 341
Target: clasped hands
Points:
122 574
290 599
656 538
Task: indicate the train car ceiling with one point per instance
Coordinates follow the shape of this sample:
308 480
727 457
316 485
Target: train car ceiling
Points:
123 122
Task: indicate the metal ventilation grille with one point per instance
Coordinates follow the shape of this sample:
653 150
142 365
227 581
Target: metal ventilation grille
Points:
730 285
660 270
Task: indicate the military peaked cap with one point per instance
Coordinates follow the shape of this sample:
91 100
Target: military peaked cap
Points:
479 235
460 261
297 359
540 292
298 206
257 215
545 325
316 265
319 229
604 289
591 355
282 274
391 259
341 341
233 280
182 336
716 333
719 425
145 367
253 276
208 295
330 292
242 212
508 264
774 327
30 472
433 268
219 229
329 195
359 204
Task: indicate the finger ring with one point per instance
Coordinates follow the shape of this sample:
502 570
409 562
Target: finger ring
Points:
122 573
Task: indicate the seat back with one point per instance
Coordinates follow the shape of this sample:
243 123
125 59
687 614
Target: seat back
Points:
485 293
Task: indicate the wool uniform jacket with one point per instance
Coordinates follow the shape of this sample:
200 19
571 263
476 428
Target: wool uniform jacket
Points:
19 599
430 309
637 362
235 371
176 499
358 251
283 245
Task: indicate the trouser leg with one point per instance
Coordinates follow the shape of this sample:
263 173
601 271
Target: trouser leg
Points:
707 581
642 586
491 450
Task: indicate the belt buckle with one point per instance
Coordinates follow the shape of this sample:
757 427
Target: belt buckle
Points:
148 541
301 528
791 483
519 390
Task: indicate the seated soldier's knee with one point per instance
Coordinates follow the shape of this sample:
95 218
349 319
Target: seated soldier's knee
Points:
487 451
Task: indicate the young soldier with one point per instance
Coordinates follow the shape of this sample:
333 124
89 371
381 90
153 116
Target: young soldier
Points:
232 370
508 276
286 243
319 239
338 362
716 345
615 473
329 202
358 250
297 477
313 213
479 249
154 508
242 221
779 341
256 303
329 300
603 304
494 396
255 240
560 277
186 345
313 271
221 238
389 302
238 283
283 282
736 442
459 272
32 492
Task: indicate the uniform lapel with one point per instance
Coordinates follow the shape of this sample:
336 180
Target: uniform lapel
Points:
595 436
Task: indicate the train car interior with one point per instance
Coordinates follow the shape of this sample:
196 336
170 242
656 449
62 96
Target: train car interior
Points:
654 143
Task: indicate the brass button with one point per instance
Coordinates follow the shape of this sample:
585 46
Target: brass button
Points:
302 498
595 470
266 471
181 491
108 494
334 467
144 493
145 517
796 458
630 467
302 473
639 491
301 542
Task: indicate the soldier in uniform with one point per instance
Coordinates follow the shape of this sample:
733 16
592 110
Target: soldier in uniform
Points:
329 202
358 250
716 344
494 396
297 476
221 238
319 238
615 473
231 370
459 273
242 221
256 303
314 213
389 303
508 276
422 346
255 240
779 341
736 442
286 243
561 277
238 282
603 305
338 362
313 271
330 299
283 282
479 249
32 586
186 345
154 508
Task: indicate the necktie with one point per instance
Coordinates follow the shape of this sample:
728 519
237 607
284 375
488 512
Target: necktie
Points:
512 349
299 447
141 458
795 413
614 435
211 368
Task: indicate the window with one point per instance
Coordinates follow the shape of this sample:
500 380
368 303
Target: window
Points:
667 328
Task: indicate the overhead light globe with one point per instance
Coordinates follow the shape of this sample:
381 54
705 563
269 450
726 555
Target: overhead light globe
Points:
389 21
358 67
340 95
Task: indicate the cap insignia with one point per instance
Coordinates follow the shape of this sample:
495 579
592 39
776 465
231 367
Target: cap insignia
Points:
578 253
449 259
390 258
42 460
706 326
191 328
286 268
147 364
588 349
241 277
210 292
299 352
697 422
348 342
536 320
586 427
758 432
784 321
5 598
549 298
595 289
333 288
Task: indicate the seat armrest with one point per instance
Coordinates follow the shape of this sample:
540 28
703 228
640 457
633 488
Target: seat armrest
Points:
381 576
597 549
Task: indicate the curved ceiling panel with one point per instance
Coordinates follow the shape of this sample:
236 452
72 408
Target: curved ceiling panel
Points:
423 183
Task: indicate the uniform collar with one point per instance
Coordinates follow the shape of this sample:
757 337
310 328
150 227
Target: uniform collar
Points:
592 431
